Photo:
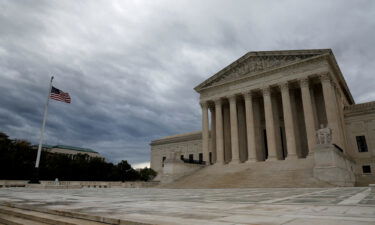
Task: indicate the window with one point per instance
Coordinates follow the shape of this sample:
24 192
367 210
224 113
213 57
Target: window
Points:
191 157
366 169
200 157
162 163
361 143
182 157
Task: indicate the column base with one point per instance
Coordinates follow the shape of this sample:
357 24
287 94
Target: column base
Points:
252 161
310 155
289 157
234 162
271 159
219 163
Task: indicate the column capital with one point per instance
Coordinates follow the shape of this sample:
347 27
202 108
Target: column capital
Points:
203 104
217 101
231 97
247 95
304 82
324 77
284 86
266 91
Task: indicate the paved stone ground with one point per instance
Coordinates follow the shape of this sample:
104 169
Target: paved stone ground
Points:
289 206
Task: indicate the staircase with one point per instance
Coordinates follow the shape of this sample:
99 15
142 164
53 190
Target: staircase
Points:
290 173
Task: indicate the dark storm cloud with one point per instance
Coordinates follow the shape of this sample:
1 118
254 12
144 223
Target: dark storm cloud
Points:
130 66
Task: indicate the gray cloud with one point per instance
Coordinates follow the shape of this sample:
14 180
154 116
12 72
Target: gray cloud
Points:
130 66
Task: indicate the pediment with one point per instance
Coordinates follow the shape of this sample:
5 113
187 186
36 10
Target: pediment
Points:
257 62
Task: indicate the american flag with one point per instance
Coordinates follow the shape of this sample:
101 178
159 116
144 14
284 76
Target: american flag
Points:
58 95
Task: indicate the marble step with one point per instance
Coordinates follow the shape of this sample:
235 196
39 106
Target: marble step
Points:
41 218
294 173
13 220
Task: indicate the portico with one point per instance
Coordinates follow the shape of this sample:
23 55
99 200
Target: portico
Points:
262 114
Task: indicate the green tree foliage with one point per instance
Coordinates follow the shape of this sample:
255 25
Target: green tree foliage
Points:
147 174
17 161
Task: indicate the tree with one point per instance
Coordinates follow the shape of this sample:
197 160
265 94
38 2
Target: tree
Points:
127 173
17 161
147 174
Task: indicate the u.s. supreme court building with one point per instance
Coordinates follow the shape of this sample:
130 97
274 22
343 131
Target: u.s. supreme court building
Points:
283 107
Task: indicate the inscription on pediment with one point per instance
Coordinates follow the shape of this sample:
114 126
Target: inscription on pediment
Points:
255 64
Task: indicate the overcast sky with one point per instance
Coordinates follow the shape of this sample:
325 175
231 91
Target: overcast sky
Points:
131 66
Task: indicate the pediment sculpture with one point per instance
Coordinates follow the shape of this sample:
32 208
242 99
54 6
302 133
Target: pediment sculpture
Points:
254 64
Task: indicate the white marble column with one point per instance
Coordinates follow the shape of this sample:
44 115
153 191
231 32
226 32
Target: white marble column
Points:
213 135
270 125
250 128
330 103
205 132
288 122
234 129
219 132
308 113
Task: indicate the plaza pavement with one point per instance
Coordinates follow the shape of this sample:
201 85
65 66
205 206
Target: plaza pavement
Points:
287 206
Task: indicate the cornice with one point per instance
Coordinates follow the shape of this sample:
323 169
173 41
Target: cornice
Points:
343 84
178 138
252 76
359 109
267 72
240 60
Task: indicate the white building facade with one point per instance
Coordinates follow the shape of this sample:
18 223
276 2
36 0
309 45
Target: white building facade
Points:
267 106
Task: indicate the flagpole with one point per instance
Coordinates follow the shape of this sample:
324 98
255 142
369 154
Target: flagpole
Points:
36 178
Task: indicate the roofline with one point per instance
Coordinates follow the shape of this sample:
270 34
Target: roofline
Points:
328 54
341 78
261 53
73 148
365 108
178 138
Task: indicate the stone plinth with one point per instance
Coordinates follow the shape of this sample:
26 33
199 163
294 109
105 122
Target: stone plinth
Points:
174 169
332 166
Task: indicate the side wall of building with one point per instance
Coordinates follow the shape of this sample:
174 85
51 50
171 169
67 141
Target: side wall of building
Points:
168 147
360 121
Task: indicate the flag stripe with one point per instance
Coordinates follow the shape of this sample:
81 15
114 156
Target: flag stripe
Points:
58 95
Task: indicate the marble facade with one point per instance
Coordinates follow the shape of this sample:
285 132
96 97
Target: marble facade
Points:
267 106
